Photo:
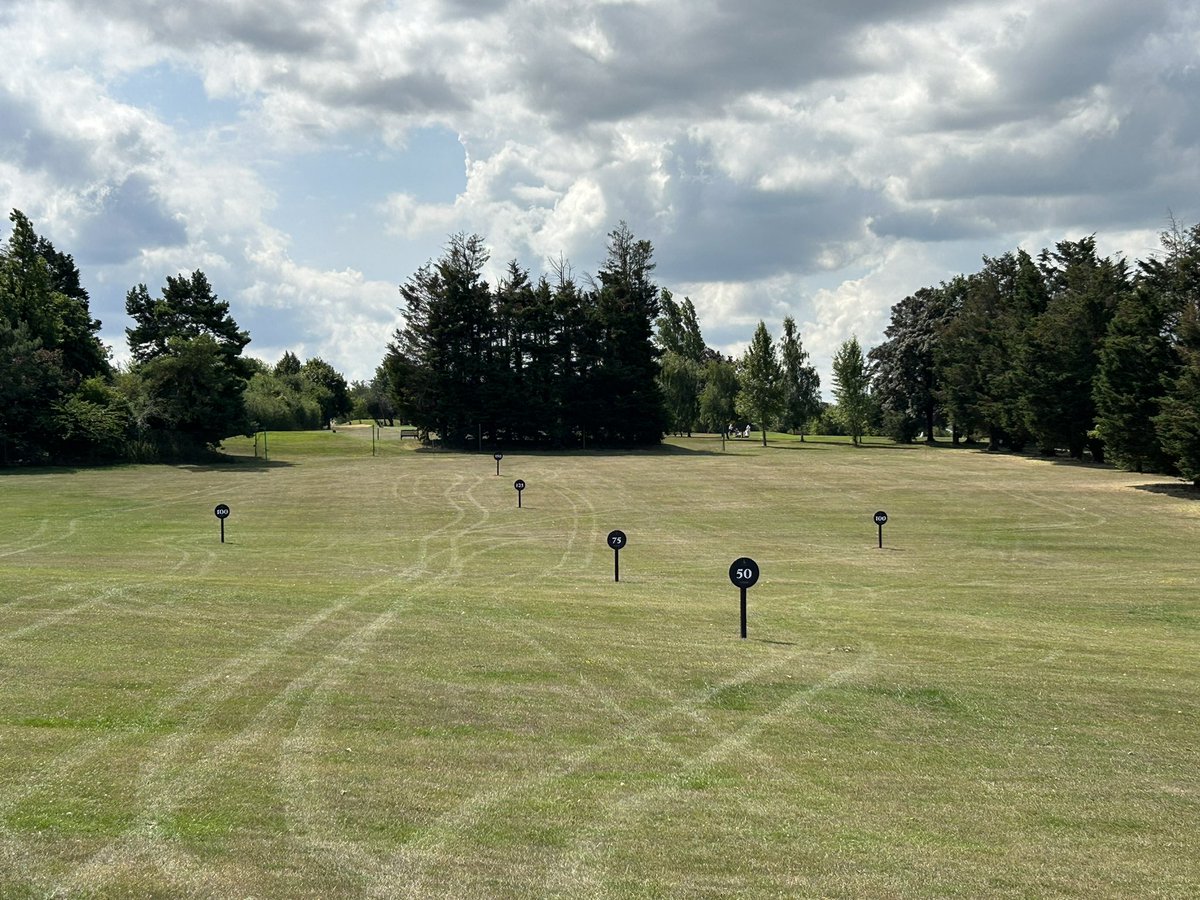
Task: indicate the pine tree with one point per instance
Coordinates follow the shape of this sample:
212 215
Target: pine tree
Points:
440 360
979 357
189 376
906 378
1178 422
627 305
1136 363
1064 343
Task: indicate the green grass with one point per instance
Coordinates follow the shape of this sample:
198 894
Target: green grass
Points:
390 681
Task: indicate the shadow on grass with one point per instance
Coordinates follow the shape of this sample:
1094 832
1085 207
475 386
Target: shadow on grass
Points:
235 463
603 452
17 471
1180 490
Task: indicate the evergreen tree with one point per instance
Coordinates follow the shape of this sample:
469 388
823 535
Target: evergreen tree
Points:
31 382
289 364
906 382
48 349
1136 362
186 308
439 361
801 383
851 388
627 305
1064 343
189 376
1178 422
760 378
979 357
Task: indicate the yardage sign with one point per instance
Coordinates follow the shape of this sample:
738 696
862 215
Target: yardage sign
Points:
880 520
744 574
497 456
222 513
519 484
616 540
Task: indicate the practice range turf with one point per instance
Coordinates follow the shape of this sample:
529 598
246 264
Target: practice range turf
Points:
390 681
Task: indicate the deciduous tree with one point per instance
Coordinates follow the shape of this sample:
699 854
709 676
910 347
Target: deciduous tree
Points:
760 380
851 388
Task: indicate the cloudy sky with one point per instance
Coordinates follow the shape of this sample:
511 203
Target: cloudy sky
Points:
799 157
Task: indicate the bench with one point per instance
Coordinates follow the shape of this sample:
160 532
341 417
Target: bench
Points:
408 433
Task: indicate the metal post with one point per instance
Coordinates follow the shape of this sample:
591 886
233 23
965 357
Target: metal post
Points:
743 613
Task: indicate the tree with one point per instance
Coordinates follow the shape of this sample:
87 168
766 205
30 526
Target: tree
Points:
851 388
681 376
718 399
801 383
439 361
980 358
189 397
289 364
186 308
760 377
1064 343
680 381
48 349
1136 363
189 376
906 382
627 305
1178 422
31 382
332 394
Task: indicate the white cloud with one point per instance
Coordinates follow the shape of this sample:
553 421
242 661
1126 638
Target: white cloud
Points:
823 160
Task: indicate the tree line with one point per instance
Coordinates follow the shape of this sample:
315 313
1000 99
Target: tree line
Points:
1068 351
187 385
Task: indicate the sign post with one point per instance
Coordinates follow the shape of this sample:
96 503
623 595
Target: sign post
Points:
616 540
880 520
222 513
744 574
497 456
519 484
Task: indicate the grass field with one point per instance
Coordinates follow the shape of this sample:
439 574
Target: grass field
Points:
390 681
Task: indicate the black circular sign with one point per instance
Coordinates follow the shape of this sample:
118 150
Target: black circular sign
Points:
880 518
616 539
497 456
519 484
744 572
222 511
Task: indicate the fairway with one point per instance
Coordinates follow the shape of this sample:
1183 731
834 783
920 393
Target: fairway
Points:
391 681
